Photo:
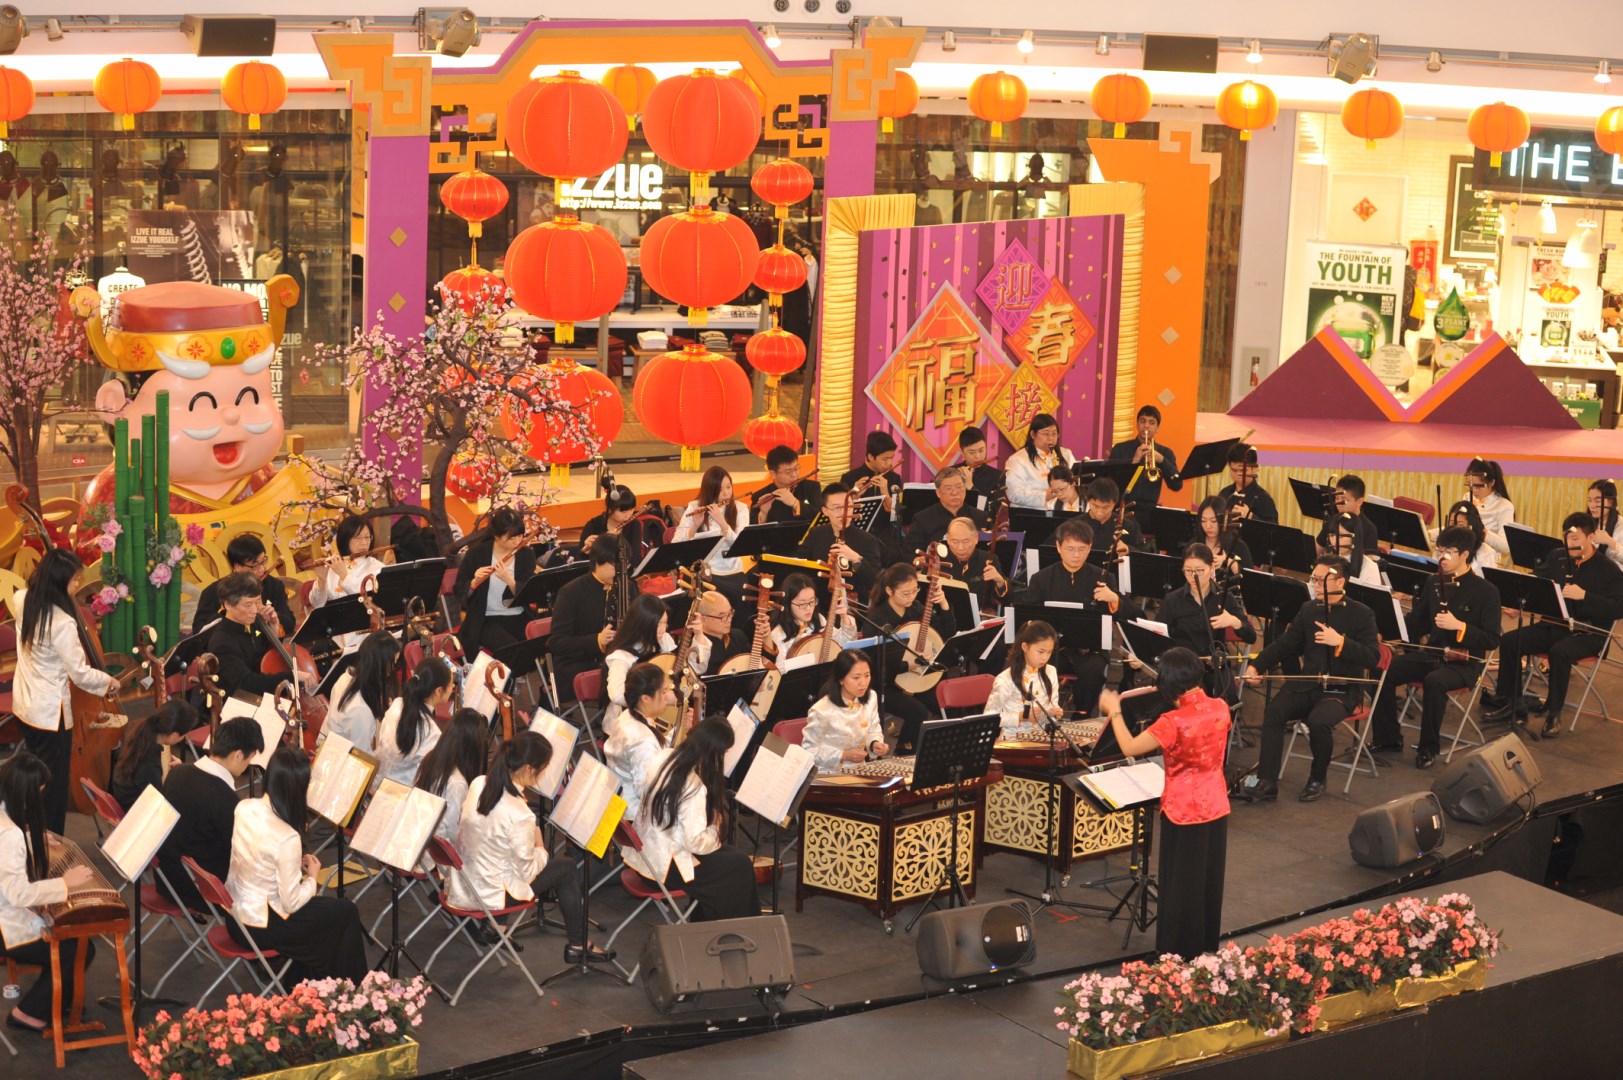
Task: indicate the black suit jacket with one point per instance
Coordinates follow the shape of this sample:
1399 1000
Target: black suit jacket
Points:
208 604
930 524
578 616
240 649
1360 652
473 600
1474 601
207 814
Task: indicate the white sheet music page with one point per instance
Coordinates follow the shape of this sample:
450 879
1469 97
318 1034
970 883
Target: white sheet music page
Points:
561 735
260 708
585 799
475 694
339 776
397 824
743 725
133 844
775 777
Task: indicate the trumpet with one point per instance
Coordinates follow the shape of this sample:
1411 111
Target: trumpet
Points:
1152 463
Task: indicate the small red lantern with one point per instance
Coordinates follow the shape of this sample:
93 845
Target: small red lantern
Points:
1498 128
470 286
472 475
779 271
475 196
782 183
1120 99
998 98
566 271
566 127
775 352
765 432
253 89
702 123
897 102
1247 106
126 87
16 98
699 258
691 398
1609 130
1372 114
630 86
583 390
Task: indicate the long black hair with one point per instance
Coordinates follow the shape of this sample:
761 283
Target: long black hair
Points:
525 748
1492 473
892 577
1473 517
48 589
431 676
639 634
844 661
703 755
287 782
1041 422
177 717
23 779
372 676
1608 503
1030 634
710 491
462 749
784 620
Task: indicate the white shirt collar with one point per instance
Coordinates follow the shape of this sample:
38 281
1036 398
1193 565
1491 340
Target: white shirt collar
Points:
218 771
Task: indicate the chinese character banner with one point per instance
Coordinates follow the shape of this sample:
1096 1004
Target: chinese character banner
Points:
987 324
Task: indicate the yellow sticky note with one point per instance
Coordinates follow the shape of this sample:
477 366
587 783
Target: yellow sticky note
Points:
605 828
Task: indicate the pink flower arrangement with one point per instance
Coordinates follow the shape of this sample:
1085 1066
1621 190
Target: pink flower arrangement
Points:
317 1021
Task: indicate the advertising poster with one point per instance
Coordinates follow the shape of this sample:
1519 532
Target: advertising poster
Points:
204 246
1355 289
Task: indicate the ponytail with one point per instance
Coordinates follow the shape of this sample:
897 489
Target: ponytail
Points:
430 677
525 749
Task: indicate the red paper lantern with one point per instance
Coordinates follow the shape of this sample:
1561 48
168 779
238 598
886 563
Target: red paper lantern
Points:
630 86
764 432
469 286
126 87
472 475
16 98
779 271
775 352
1120 99
566 127
691 398
897 102
583 389
699 258
1372 114
253 89
475 196
998 98
782 183
1609 130
1248 106
566 271
1498 129
702 123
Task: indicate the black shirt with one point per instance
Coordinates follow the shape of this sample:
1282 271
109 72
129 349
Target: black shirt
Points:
1601 580
1473 600
972 572
1189 622
1369 538
273 590
1103 531
870 553
930 524
1358 654
1257 498
1147 492
473 599
1057 584
148 773
723 649
807 491
208 808
240 649
578 616
987 479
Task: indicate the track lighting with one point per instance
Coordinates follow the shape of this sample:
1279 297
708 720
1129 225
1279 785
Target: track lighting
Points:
1028 42
949 41
1103 46
1603 72
1434 62
1253 51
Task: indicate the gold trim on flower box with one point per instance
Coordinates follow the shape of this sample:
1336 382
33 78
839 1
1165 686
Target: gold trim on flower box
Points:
1471 975
1339 1010
384 1064
1136 1059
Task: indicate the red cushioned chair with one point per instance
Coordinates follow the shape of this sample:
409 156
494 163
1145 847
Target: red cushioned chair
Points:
449 862
963 696
225 946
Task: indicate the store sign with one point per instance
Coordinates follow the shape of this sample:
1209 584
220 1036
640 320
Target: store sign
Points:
624 187
1354 289
1554 161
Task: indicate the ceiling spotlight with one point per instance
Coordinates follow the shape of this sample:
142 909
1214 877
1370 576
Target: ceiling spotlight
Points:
1103 45
770 33
13 28
53 29
451 35
1546 219
949 41
1603 72
354 24
1353 57
1028 42
1434 61
1253 51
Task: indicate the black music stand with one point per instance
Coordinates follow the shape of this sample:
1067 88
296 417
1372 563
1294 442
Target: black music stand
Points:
1038 525
1083 628
1397 526
1278 547
771 538
1008 553
541 591
1527 547
667 557
960 601
188 649
402 581
1152 576
523 656
797 690
340 615
1046 555
1207 459
916 497
1171 527
1145 644
735 686
1280 597
952 751
1389 622
1143 890
1313 499
1527 594
976 644
1409 573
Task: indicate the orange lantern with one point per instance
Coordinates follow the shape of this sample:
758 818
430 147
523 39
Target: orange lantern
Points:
691 398
584 390
779 271
1248 106
469 286
253 89
566 127
1120 99
702 123
1609 130
16 98
998 98
740 75
472 475
699 258
126 87
782 183
566 271
1372 114
1498 129
897 102
775 353
630 86
474 196
765 432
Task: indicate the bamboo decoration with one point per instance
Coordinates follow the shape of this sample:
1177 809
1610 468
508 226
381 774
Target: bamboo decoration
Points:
141 508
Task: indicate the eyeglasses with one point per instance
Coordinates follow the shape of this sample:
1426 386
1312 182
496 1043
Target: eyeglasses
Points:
1451 553
1477 485
798 604
258 564
1321 582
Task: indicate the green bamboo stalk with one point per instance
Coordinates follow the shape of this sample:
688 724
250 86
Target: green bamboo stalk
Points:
149 443
141 588
112 638
169 623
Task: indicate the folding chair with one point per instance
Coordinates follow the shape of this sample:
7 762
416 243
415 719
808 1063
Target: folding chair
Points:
1471 696
1359 721
966 693
225 946
790 731
447 593
445 857
1591 666
646 891
588 688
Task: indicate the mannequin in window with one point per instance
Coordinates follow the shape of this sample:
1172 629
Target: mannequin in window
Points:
230 182
171 182
50 195
107 174
13 184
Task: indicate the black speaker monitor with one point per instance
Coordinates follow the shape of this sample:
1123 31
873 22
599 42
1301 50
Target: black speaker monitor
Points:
1180 52
691 963
1481 785
958 943
1397 832
230 35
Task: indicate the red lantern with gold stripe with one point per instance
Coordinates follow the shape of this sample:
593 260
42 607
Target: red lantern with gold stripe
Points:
782 183
1372 114
691 398
998 98
630 85
566 271
1120 99
1247 106
775 352
16 98
254 89
566 127
584 390
779 271
1498 128
470 286
472 475
765 432
699 258
702 123
1609 130
474 196
897 102
126 87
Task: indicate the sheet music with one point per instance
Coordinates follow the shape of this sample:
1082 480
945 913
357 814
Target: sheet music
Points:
1127 785
1124 577
586 801
397 824
263 712
134 843
561 735
339 776
743 725
1033 564
1152 626
775 777
475 694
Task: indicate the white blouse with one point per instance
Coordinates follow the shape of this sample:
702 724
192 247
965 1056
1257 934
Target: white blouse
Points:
266 872
500 853
843 632
40 685
684 842
330 585
353 720
19 922
1614 550
832 729
1496 513
1009 702
1027 482
392 764
714 526
630 747
621 661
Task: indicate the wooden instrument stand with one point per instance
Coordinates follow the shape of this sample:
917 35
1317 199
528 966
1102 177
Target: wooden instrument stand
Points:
75 1023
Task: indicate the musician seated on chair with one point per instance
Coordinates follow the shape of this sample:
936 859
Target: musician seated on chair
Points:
362 694
1593 587
1335 639
896 601
717 513
844 725
952 493
862 551
800 618
1458 612
490 576
631 742
1026 471
967 562
1144 492
1104 497
645 635
146 755
619 508
26 884
1247 498
1199 615
717 625
1063 498
449 770
408 730
345 572
241 642
787 497
273 887
984 477
1026 692
581 627
1349 492
246 554
204 794
880 455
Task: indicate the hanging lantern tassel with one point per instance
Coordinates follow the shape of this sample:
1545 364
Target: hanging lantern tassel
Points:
253 121
564 333
698 316
700 185
1494 159
997 128
690 459
126 121
559 476
1120 131
887 125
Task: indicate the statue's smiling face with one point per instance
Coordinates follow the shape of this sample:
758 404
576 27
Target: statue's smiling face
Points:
222 426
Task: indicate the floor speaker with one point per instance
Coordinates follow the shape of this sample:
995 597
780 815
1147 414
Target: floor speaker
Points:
958 943
1397 832
717 963
1484 783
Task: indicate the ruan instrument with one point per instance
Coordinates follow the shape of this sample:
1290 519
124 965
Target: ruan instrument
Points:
755 659
695 581
824 645
926 643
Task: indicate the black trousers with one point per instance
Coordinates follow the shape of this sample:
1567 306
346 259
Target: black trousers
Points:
1562 646
911 711
1437 679
1320 711
723 884
55 748
561 876
1189 917
1090 670
324 938
37 1001
500 630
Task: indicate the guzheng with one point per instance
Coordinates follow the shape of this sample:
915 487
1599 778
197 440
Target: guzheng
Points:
883 768
96 902
1017 810
1015 747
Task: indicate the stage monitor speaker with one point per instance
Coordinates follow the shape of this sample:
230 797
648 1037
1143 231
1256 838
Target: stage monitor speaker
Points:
1484 783
694 964
959 943
1180 52
230 35
1397 832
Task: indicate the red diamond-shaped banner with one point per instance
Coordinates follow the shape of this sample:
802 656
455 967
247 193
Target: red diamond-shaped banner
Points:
1053 336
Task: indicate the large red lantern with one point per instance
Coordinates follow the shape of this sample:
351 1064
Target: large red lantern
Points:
779 271
782 183
765 432
1498 128
630 86
699 258
566 271
472 475
470 286
584 390
253 89
702 123
16 98
126 87
998 98
775 352
691 398
1120 99
566 127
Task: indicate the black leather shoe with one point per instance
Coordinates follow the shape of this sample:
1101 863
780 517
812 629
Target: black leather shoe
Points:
1313 792
1265 791
593 954
1386 747
1505 714
1424 759
1552 728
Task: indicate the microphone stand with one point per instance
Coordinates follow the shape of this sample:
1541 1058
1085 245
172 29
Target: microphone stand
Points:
887 635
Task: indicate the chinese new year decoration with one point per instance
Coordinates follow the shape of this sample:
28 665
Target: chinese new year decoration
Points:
630 84
782 183
126 87
16 98
1609 130
470 284
254 89
699 258
472 475
764 432
702 123
998 98
774 353
897 102
566 127
566 271
1247 106
691 398
587 391
474 196
1498 128
779 271
1371 115
1120 99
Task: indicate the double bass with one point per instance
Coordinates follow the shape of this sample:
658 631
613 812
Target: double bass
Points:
309 710
495 679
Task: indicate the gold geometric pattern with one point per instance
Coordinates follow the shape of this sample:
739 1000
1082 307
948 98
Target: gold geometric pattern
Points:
841 855
397 301
1097 833
1017 814
397 237
394 89
922 850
